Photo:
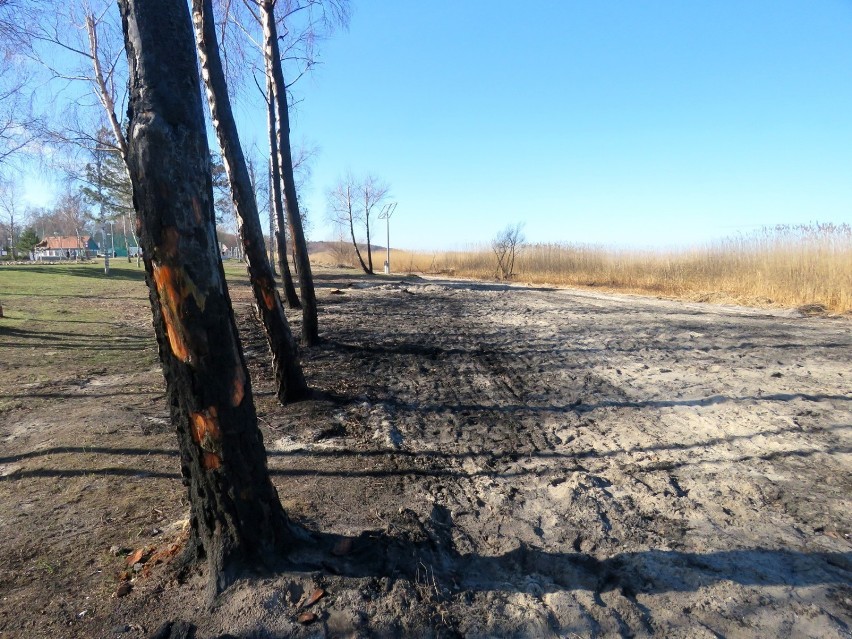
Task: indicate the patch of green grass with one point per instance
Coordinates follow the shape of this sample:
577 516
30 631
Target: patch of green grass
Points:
71 320
48 292
67 320
235 273
70 280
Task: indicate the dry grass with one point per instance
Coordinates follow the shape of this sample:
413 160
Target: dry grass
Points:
791 266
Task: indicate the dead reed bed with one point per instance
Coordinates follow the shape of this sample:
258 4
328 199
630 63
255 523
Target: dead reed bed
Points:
807 266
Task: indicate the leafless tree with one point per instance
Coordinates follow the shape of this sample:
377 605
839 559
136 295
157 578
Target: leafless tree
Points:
344 212
352 204
80 44
276 200
289 33
71 209
288 372
18 123
278 97
11 211
65 218
506 246
372 193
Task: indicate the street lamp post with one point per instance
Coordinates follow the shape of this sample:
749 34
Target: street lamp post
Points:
386 213
106 252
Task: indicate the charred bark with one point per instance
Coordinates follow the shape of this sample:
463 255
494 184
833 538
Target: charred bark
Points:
277 203
310 329
285 357
236 517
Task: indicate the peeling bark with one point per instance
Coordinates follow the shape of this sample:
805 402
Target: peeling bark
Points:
236 517
285 357
103 92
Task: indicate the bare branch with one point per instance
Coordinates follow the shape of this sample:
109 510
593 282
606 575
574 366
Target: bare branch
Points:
506 245
104 93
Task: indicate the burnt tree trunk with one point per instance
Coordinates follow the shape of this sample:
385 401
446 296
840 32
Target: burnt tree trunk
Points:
276 200
310 328
367 225
285 356
236 517
270 249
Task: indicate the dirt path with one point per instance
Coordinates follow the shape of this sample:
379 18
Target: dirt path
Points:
533 462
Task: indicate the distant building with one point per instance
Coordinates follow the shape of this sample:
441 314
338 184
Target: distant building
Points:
66 247
230 253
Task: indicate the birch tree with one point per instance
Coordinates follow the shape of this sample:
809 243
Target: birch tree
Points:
278 97
10 215
372 193
277 200
344 212
81 44
288 374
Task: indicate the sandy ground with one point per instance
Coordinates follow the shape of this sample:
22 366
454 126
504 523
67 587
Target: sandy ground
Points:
506 461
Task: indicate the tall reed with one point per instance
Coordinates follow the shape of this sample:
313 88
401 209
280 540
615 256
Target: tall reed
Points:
787 265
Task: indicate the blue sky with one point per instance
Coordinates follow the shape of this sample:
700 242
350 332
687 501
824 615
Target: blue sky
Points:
630 123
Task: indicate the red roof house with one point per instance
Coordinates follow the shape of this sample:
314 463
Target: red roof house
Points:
60 247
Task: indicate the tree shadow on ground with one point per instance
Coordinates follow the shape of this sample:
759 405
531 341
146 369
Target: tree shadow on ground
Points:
423 551
416 543
57 340
418 348
408 545
580 406
118 272
492 458
81 296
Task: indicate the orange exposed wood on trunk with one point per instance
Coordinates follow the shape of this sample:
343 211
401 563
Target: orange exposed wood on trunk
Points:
174 287
205 428
239 390
206 433
268 295
211 461
168 288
